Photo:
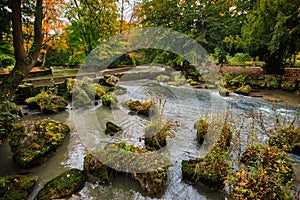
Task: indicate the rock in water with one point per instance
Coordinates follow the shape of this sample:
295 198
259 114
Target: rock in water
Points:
111 128
32 142
63 186
244 90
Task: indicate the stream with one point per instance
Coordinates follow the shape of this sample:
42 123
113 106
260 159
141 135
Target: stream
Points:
184 105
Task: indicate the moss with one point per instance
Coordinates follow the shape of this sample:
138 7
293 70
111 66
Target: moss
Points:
202 127
111 80
47 102
287 139
16 187
63 186
96 170
137 107
94 90
110 100
32 142
111 128
244 90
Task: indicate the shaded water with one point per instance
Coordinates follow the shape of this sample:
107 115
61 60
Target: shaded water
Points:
184 105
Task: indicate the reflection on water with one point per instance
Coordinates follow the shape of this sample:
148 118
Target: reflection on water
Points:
184 105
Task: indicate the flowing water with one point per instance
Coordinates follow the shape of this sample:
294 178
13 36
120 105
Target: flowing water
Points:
182 104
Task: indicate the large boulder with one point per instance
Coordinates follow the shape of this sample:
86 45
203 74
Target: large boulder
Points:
47 102
63 186
32 142
16 187
149 168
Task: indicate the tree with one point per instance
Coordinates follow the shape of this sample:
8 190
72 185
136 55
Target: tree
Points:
92 22
24 62
272 32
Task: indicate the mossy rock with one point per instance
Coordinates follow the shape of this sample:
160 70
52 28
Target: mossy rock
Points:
94 90
110 100
63 186
96 171
287 139
156 134
47 102
224 92
153 182
137 107
16 187
289 86
163 78
110 80
202 127
32 142
9 114
273 160
210 170
149 168
213 169
112 128
244 90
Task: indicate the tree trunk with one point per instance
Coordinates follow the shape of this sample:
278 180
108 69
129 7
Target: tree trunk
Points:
24 63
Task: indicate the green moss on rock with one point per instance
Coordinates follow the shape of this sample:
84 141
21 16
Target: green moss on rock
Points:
32 142
63 186
96 170
244 90
137 107
273 81
16 187
110 100
47 102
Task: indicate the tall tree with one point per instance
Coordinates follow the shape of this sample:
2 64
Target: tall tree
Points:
92 22
24 62
272 32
